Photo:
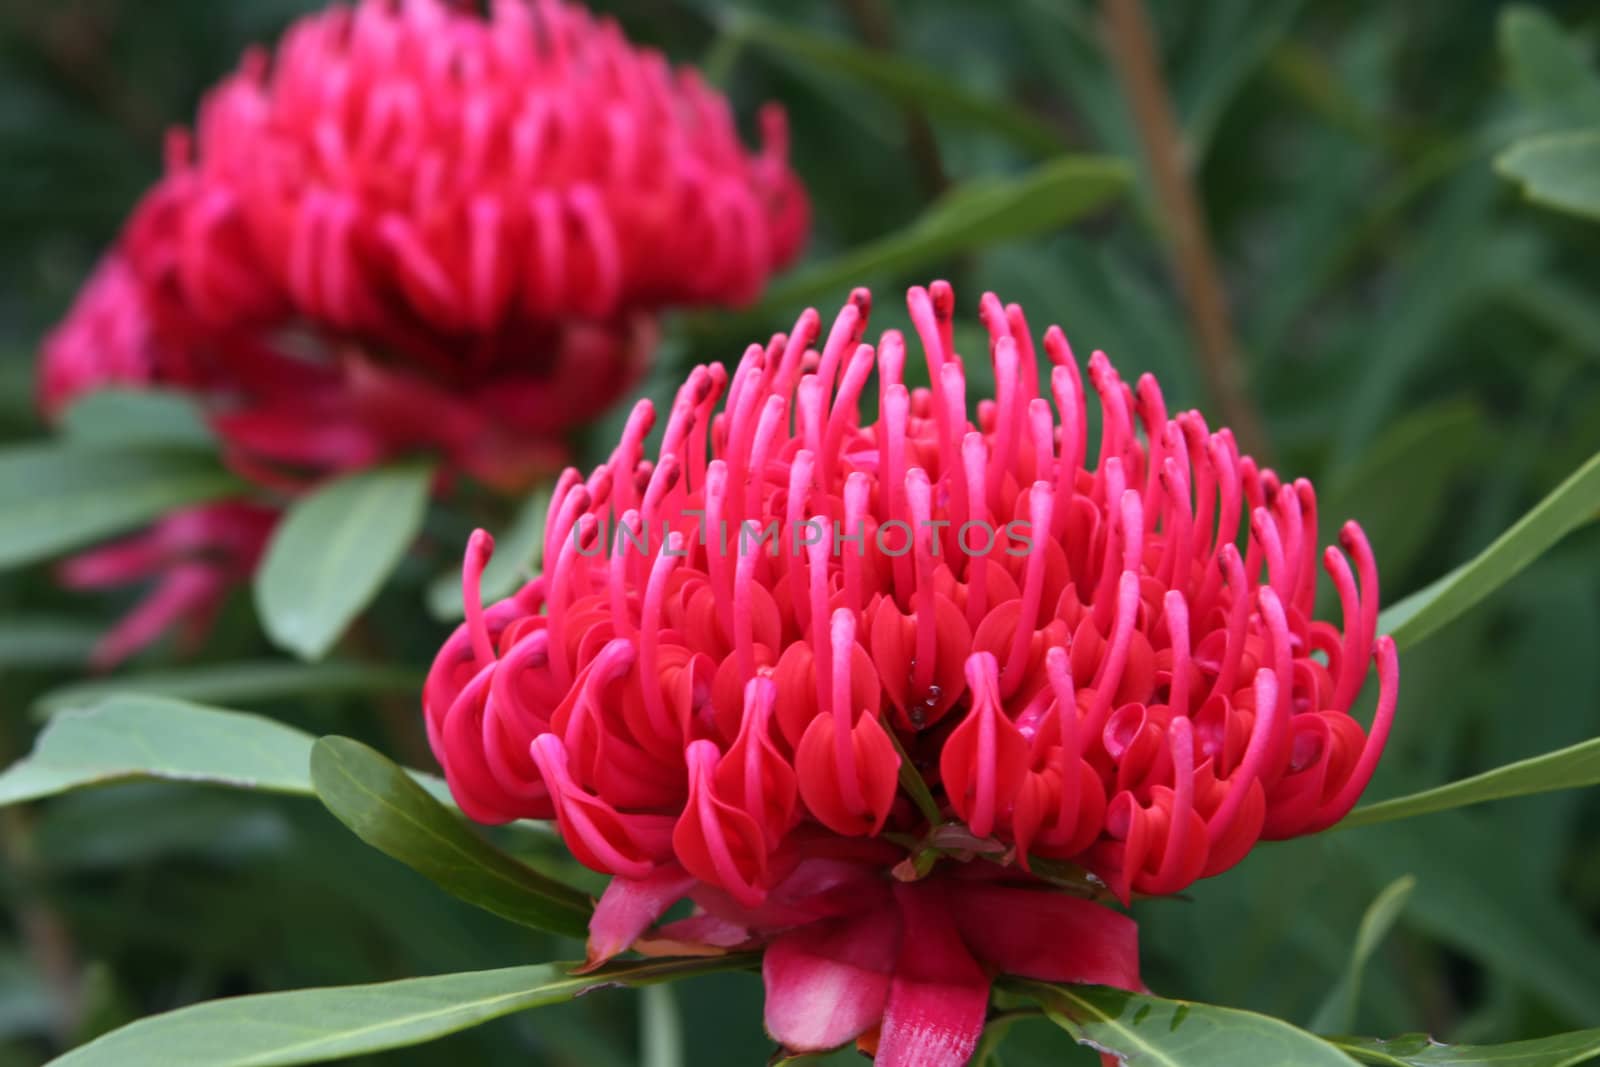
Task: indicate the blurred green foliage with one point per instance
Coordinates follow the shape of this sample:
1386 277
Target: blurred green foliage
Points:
1422 340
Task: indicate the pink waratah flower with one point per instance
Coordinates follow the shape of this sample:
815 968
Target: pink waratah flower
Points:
414 228
414 225
1078 663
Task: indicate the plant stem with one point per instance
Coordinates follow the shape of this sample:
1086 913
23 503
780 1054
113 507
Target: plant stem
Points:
1134 54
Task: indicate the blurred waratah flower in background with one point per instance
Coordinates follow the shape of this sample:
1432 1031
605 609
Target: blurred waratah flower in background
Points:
733 651
416 226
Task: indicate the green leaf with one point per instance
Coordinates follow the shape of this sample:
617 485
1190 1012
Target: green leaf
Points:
1558 170
39 643
979 213
26 1005
662 1030
140 822
1546 66
915 785
905 81
129 738
137 418
1419 1050
55 498
386 809
1481 902
237 683
518 553
332 552
146 737
1338 1012
318 1025
1570 505
1576 767
1151 1032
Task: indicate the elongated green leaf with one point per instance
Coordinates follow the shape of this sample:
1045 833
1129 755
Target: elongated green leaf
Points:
148 737
915 785
137 418
973 215
661 1042
237 683
1338 1012
55 498
26 1006
139 822
1576 767
46 642
332 552
1151 1032
1570 505
1419 1050
1559 170
132 737
1547 67
1501 916
390 812
902 80
318 1025
518 552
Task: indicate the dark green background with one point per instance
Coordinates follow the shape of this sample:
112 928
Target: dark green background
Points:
1424 344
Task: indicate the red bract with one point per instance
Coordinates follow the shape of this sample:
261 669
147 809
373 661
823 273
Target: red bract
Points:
412 225
1079 662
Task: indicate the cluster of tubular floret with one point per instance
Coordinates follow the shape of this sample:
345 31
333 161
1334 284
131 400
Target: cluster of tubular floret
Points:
406 169
1080 662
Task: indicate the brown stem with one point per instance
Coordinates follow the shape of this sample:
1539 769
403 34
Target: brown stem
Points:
1134 53
875 24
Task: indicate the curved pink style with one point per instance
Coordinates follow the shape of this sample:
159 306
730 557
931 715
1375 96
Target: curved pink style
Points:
1079 662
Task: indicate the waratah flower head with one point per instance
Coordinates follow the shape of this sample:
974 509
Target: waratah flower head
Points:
733 650
435 226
